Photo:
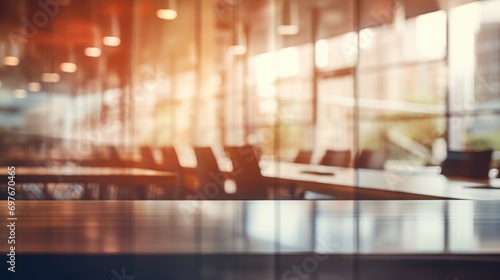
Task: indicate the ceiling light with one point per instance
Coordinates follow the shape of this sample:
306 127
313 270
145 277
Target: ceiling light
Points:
288 29
169 12
111 41
68 67
92 52
289 18
10 60
238 49
166 14
112 35
239 41
20 93
34 87
50 77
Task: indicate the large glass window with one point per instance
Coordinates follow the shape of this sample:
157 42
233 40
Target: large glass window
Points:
164 76
335 62
402 83
475 76
282 100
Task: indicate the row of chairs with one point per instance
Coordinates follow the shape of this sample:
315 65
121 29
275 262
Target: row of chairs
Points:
371 159
246 174
250 184
468 164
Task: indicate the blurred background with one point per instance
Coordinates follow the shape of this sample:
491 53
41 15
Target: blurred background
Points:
416 78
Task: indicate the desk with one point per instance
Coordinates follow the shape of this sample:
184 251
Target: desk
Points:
380 239
350 183
75 162
99 175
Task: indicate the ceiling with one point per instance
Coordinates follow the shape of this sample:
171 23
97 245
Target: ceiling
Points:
44 37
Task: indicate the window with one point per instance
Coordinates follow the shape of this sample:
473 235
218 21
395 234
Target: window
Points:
475 76
402 87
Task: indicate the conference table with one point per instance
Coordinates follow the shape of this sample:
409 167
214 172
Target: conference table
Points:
433 239
101 175
351 183
343 183
128 180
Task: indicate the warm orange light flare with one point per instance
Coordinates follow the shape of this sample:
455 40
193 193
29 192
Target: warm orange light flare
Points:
166 14
11 61
34 87
92 52
68 67
50 77
111 41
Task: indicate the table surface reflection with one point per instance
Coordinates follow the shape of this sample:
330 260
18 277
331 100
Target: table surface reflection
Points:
337 227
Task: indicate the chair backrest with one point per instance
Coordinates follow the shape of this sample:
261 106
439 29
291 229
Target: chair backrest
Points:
372 159
206 160
471 164
147 157
341 158
211 186
250 183
113 153
170 160
303 156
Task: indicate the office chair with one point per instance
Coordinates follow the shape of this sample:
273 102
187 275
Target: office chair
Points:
303 156
147 157
341 158
210 178
372 159
250 183
470 164
113 154
170 162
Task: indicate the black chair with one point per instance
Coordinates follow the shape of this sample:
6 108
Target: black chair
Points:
341 158
170 162
210 178
113 154
147 157
471 164
303 156
250 184
372 159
